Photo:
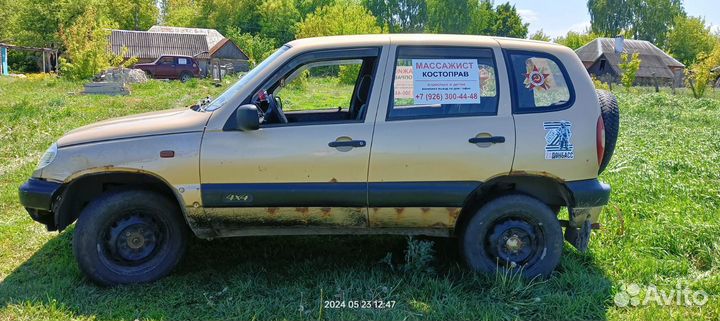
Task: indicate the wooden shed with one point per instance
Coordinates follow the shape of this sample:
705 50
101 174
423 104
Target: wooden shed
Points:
601 59
48 57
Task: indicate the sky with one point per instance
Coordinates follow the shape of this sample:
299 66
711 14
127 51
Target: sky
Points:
556 17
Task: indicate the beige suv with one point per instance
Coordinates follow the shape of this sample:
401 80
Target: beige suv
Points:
479 138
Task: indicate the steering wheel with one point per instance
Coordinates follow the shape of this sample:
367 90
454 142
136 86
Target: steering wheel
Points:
274 113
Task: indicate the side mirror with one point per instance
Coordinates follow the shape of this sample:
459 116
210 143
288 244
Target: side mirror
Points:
247 118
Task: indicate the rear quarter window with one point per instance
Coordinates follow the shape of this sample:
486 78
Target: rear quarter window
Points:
540 83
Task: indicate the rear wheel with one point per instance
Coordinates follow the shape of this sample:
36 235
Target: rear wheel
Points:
513 233
129 237
185 76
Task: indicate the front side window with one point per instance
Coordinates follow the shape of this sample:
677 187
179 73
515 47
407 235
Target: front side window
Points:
319 90
167 60
326 85
540 83
443 82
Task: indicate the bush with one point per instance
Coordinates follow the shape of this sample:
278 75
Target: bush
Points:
418 258
629 66
348 74
700 74
86 43
599 84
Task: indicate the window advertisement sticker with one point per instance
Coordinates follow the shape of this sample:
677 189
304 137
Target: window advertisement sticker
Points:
404 82
446 81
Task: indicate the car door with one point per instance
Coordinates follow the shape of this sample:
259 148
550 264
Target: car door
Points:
444 127
310 171
164 67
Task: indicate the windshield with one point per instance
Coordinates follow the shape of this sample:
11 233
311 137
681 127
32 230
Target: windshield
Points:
235 88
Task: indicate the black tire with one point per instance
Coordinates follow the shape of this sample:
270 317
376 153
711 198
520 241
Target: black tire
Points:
611 121
526 219
185 76
131 236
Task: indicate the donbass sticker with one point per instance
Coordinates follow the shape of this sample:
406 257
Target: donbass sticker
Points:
557 140
446 81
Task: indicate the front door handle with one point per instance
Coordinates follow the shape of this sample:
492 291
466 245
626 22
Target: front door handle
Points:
347 143
491 139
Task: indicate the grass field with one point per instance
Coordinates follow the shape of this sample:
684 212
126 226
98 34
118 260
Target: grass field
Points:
661 227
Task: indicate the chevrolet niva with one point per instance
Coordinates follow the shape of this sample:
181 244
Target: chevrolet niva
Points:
479 138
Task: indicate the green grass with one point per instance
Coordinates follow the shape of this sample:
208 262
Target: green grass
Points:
316 93
662 226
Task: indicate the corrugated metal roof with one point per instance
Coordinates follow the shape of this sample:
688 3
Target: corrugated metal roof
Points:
652 59
213 36
143 44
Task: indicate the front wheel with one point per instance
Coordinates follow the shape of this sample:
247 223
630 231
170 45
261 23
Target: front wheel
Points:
129 237
513 233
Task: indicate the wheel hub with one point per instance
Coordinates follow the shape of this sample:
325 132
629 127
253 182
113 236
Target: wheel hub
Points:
513 242
133 238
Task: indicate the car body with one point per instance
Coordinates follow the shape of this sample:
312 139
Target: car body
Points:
172 67
393 163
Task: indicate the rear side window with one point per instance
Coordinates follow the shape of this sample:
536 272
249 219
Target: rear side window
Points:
540 83
182 61
435 82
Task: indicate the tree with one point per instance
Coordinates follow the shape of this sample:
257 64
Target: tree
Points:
180 13
540 35
450 16
575 40
307 7
399 15
508 22
278 19
483 19
8 10
132 14
39 21
700 74
86 42
255 46
629 65
341 18
689 38
639 19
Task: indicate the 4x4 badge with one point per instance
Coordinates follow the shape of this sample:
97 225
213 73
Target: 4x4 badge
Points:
557 140
242 198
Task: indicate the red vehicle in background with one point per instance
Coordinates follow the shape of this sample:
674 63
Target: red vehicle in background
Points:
172 67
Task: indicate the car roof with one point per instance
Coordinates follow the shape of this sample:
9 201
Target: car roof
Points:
178 56
413 39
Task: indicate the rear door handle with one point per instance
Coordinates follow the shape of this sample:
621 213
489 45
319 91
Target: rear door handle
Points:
491 139
348 143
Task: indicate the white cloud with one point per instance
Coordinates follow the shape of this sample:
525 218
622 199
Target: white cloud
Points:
580 27
528 15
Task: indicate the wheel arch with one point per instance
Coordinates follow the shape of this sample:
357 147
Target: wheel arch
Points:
82 188
549 190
